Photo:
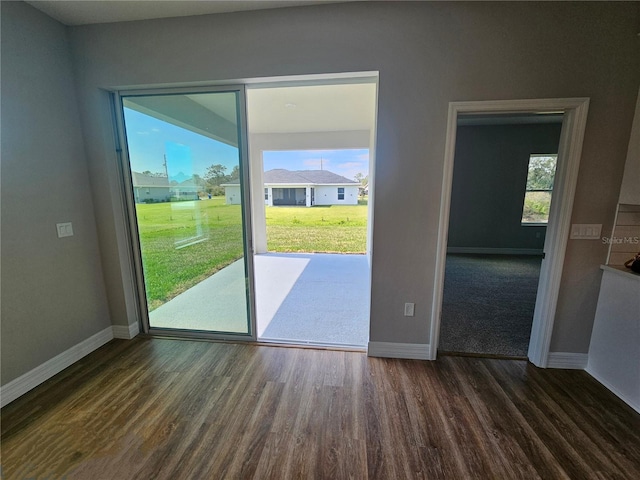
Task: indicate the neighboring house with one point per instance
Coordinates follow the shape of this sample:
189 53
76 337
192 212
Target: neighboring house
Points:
150 189
301 187
186 190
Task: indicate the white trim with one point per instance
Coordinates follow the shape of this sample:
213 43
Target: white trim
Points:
614 390
417 351
570 149
567 360
126 332
569 154
495 251
43 372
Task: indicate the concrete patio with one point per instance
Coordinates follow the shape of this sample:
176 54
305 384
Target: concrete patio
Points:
300 298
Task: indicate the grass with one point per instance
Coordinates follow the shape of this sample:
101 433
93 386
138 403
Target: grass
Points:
536 207
210 234
165 226
330 229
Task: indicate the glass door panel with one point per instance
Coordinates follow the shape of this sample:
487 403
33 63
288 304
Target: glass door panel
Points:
186 168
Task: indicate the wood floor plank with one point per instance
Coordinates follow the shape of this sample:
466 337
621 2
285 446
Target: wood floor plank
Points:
172 409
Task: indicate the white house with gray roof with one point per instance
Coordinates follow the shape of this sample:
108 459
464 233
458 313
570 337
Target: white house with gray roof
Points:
149 188
153 188
302 188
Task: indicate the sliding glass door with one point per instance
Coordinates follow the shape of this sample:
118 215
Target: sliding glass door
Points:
189 201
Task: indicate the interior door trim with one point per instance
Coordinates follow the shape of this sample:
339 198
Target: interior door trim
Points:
570 149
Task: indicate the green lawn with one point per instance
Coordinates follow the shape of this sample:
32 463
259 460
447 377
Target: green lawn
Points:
210 236
332 229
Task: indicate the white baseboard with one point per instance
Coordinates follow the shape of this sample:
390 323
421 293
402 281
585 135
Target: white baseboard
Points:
48 369
33 378
126 332
494 251
615 391
568 360
417 351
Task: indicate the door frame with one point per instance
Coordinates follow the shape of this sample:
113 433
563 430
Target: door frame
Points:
129 208
569 152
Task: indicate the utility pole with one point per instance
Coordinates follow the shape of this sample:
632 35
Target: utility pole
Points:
166 171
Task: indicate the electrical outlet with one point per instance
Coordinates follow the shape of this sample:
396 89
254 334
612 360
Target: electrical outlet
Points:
409 309
64 229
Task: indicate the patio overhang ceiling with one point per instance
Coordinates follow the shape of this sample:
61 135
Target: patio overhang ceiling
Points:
312 117
291 117
216 119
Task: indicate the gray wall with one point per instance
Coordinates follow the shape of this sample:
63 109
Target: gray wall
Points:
428 54
53 294
489 179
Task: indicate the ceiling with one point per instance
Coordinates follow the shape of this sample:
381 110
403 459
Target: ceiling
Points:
315 108
83 12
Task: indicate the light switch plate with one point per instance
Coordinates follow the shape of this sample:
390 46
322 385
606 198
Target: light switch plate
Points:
409 309
64 229
586 231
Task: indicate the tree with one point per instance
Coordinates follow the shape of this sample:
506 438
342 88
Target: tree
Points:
198 180
361 178
156 174
235 173
542 170
215 174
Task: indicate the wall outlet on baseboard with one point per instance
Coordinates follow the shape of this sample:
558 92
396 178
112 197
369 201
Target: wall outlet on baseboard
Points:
409 309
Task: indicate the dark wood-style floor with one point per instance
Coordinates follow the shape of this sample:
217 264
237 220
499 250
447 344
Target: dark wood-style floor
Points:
156 408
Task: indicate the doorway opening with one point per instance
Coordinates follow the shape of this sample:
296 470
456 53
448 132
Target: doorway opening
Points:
504 171
574 114
311 156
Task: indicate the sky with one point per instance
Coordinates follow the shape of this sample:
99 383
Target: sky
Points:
150 139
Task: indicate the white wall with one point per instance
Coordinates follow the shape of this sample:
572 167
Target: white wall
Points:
232 195
630 190
427 54
53 293
614 353
329 196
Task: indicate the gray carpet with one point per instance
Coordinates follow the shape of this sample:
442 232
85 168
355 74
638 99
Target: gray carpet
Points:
488 304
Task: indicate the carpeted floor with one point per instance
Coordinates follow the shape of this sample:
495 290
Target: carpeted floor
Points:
488 304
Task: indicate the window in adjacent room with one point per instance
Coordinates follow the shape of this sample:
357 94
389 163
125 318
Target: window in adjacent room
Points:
537 197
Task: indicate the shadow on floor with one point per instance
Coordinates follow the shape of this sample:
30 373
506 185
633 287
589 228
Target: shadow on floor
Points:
301 298
313 298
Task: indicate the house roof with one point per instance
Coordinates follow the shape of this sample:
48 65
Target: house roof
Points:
142 180
281 176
